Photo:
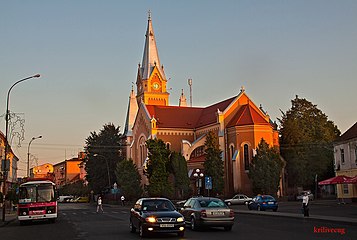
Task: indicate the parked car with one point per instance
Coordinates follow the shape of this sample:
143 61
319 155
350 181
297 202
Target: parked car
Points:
81 200
207 211
263 202
311 196
156 215
238 199
64 199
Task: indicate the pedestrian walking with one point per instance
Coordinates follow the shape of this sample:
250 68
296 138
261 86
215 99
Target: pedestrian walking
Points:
305 204
99 205
122 198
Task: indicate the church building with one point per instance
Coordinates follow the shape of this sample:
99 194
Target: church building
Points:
237 121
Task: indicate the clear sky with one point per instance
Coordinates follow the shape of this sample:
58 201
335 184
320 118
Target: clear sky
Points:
87 53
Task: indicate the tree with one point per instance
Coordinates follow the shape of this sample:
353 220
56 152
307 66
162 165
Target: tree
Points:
265 169
102 156
213 165
306 143
76 189
157 168
179 170
129 179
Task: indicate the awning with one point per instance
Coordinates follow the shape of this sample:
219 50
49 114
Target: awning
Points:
335 180
352 180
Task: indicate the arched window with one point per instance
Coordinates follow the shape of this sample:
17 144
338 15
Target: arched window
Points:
199 151
232 151
168 146
142 151
246 156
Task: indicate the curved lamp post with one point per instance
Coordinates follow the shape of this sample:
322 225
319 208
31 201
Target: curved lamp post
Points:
198 175
28 155
106 161
6 138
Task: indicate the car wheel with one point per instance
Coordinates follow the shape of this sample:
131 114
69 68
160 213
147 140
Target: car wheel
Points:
229 203
275 209
132 227
258 208
181 234
193 224
227 228
249 207
142 232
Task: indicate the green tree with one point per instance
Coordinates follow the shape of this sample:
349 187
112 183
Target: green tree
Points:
213 165
78 189
306 143
102 156
129 179
265 169
158 168
179 170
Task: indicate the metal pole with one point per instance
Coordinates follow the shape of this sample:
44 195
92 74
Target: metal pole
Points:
7 115
190 84
28 155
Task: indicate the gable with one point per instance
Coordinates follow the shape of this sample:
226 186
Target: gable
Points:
247 115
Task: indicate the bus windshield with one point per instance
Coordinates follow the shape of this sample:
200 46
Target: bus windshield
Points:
36 193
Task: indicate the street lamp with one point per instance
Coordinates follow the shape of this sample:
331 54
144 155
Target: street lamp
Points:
198 175
106 161
6 139
28 155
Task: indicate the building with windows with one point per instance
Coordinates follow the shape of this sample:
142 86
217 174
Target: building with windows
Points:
237 121
345 155
10 166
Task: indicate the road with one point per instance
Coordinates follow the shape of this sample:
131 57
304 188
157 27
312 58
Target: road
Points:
81 222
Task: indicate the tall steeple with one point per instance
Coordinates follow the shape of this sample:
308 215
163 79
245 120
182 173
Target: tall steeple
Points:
151 80
151 54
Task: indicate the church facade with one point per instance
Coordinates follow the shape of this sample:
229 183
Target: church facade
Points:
237 121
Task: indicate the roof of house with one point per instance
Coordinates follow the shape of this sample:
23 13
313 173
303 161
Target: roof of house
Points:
349 134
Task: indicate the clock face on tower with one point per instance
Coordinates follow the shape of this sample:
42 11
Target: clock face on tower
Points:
156 86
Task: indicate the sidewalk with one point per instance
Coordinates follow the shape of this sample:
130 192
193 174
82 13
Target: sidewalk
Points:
295 215
10 216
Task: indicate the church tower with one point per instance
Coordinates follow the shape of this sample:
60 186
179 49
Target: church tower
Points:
151 80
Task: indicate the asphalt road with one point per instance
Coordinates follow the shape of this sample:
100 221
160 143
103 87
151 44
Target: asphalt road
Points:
80 222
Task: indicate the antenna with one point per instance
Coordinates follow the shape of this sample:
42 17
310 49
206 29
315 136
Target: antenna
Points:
190 84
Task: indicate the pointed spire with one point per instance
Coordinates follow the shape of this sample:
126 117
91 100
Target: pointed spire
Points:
182 100
151 54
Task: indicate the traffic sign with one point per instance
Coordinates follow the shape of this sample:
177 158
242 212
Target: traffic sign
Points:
208 182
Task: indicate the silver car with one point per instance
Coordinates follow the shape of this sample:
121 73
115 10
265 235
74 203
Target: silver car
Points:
238 199
209 212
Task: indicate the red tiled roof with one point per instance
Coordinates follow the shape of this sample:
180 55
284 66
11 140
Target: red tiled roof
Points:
349 134
247 115
186 117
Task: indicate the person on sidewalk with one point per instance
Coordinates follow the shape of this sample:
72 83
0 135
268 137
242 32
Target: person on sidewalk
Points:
99 205
305 204
122 198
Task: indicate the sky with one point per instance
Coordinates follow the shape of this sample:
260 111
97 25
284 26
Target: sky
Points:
87 53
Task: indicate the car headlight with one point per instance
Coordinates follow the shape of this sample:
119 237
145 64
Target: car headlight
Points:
180 219
150 219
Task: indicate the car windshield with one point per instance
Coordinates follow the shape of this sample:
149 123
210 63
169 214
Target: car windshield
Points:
157 205
212 203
